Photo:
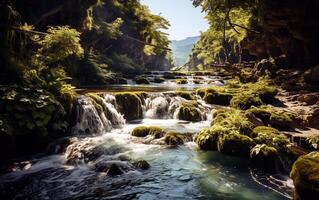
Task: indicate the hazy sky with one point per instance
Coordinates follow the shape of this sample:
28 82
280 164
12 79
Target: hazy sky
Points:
185 19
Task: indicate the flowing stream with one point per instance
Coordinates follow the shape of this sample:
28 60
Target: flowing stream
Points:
78 170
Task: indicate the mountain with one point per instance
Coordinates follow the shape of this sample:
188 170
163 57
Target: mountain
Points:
182 49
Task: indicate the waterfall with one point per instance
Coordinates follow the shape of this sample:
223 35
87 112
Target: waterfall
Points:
89 120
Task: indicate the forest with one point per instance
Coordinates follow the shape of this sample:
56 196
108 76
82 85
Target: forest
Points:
93 106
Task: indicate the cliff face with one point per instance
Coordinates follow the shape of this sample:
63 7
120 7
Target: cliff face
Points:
290 30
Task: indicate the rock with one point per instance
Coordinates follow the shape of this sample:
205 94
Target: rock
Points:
269 136
130 104
305 175
245 101
185 95
215 95
235 144
265 157
143 131
309 99
169 75
312 75
313 118
121 81
254 120
114 170
158 80
264 67
207 139
59 146
189 112
174 138
181 81
141 80
142 164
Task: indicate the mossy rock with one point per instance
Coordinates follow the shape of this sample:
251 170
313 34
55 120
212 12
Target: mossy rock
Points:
185 95
174 138
159 80
130 104
142 80
168 75
265 157
245 101
234 119
207 139
181 81
305 175
189 112
216 95
97 102
270 136
276 118
235 144
143 131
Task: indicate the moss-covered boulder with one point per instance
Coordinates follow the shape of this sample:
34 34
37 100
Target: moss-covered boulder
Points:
143 131
130 104
235 144
158 80
245 101
169 75
207 139
142 80
305 175
181 81
189 112
277 118
216 95
269 136
265 157
174 138
234 119
185 95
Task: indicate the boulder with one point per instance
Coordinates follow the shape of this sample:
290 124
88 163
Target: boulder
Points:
189 112
143 131
114 170
130 104
265 157
312 75
235 144
142 164
305 175
142 80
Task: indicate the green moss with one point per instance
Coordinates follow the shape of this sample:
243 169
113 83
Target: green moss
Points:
232 118
97 102
181 81
143 131
185 95
175 138
142 80
235 144
245 101
207 139
130 104
305 175
189 112
274 117
265 157
216 95
270 136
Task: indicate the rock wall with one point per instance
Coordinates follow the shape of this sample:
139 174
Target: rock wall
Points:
290 33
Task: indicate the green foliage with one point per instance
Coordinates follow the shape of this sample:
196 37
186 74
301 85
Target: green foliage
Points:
60 43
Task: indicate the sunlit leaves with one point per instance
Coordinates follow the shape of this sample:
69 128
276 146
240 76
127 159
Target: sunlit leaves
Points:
60 43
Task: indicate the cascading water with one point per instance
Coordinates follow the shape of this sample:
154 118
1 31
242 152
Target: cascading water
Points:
103 140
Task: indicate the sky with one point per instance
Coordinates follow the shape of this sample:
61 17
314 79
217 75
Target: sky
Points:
185 19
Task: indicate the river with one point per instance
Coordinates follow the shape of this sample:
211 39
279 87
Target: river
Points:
102 139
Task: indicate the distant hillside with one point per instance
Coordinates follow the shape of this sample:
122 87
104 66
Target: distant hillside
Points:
182 49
